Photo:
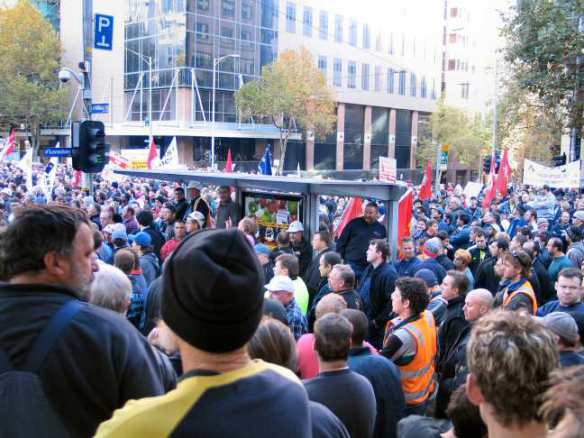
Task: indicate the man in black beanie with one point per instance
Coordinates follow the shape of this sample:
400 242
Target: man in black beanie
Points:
212 300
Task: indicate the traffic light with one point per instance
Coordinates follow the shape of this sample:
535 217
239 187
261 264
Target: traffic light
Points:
487 163
89 147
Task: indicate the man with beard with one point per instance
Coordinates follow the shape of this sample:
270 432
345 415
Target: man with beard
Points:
48 331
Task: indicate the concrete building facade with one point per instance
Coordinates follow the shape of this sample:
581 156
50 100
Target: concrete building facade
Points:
383 61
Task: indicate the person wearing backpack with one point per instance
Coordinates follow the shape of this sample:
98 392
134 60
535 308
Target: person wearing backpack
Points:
64 364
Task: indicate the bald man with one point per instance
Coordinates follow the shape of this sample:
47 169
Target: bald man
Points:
477 303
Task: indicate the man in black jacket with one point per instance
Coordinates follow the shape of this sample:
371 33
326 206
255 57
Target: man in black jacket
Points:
354 240
486 277
454 289
546 287
98 361
146 221
301 246
321 244
377 285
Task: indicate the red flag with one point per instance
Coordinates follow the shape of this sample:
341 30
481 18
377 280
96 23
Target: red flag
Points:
229 163
9 146
353 210
491 189
405 216
426 188
153 158
77 179
504 175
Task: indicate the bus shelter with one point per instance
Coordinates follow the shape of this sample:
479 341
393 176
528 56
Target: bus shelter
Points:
265 196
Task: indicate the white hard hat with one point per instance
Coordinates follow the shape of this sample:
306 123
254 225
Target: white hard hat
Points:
295 227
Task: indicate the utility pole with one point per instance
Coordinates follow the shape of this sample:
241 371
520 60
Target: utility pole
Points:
86 69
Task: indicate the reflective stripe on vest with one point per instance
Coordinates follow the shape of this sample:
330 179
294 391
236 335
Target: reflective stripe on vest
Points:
525 289
417 377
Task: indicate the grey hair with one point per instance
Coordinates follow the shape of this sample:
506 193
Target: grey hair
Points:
111 289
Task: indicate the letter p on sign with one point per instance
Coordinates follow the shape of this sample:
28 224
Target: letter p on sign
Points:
104 31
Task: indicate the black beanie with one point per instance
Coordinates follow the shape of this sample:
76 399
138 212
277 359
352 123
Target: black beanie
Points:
212 296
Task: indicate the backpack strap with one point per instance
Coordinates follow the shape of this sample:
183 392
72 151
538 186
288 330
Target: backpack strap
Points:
49 335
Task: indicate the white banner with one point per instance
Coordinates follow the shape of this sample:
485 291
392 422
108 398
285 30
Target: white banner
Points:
567 176
387 169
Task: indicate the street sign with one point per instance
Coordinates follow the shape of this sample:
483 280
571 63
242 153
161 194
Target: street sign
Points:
444 157
99 108
58 152
104 32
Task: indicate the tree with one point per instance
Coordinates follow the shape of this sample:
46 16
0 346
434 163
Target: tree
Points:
468 135
293 95
30 51
543 46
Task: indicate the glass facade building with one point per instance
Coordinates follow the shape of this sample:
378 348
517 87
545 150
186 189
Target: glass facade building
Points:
183 39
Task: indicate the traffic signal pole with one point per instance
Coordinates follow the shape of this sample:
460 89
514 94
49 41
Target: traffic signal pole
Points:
87 69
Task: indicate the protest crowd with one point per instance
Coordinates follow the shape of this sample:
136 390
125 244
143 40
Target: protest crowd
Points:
148 308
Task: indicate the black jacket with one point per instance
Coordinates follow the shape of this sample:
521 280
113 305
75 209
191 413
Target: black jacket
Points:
99 361
478 256
354 240
303 250
312 275
486 277
157 239
445 262
450 329
181 208
546 286
381 286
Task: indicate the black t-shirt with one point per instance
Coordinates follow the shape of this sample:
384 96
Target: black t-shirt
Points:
358 411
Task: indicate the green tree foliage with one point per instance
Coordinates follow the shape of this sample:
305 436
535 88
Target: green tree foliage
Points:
293 95
30 51
543 45
468 135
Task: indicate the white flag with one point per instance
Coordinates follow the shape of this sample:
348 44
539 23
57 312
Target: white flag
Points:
25 164
170 158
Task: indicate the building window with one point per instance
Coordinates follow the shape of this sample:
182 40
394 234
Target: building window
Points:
203 5
365 77
423 91
454 12
307 28
377 79
322 65
366 37
433 89
379 43
228 8
352 78
291 18
403 45
391 47
323 25
339 28
464 90
338 72
413 84
451 38
452 64
246 11
390 80
353 33
402 83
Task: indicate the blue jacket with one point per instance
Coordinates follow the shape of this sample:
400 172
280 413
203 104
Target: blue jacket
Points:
407 268
461 238
384 377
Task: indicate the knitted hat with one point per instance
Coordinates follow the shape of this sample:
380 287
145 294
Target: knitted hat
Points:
433 246
213 296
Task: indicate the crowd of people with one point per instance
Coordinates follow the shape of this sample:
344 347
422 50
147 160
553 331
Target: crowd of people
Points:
153 309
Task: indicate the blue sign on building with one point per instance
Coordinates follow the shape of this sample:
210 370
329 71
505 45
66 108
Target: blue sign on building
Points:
104 32
58 152
99 108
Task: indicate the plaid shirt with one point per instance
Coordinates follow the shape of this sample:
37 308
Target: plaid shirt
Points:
296 320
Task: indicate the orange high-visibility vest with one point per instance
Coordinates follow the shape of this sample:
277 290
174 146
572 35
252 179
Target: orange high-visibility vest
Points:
525 289
418 377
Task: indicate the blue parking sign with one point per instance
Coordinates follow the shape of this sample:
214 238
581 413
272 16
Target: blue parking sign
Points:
104 32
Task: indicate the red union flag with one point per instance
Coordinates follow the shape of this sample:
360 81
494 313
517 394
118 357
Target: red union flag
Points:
353 210
405 216
504 175
118 160
426 188
153 158
9 146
